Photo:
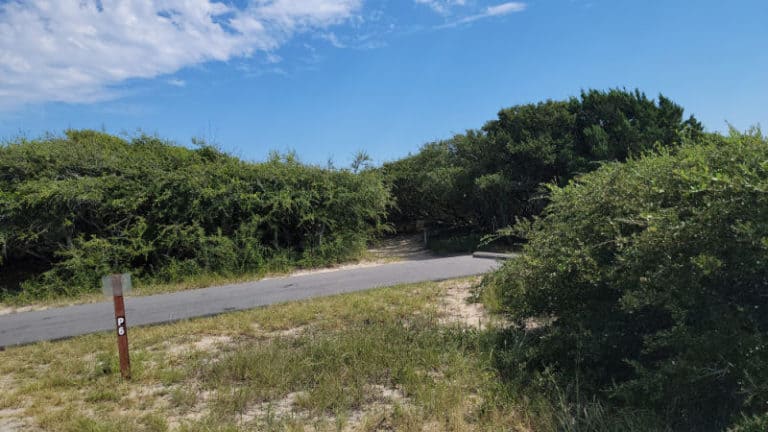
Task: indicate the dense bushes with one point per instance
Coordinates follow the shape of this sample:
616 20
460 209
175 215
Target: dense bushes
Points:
485 178
77 207
653 277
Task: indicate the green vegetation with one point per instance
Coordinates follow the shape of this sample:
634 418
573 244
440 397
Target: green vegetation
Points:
77 207
484 179
378 360
647 280
446 243
638 302
387 359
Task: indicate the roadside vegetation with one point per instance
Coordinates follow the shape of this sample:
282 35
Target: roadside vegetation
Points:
76 207
475 183
85 204
648 281
388 359
638 302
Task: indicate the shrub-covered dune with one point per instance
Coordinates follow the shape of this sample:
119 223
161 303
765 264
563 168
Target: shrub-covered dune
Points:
485 178
654 276
76 207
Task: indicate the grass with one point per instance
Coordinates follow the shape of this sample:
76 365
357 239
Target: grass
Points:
378 360
386 359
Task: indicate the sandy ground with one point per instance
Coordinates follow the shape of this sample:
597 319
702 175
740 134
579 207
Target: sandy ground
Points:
454 307
9 420
402 248
15 309
13 420
457 308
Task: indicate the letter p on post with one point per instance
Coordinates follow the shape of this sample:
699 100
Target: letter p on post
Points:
117 285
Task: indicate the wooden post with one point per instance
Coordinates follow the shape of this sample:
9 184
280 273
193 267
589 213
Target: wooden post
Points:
122 327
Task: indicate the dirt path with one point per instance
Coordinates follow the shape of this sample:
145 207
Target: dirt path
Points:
401 248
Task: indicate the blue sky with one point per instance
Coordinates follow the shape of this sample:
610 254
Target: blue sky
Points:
329 77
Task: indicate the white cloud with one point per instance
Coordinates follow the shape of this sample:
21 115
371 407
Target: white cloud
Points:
273 58
333 40
490 11
503 9
292 14
442 7
78 50
177 82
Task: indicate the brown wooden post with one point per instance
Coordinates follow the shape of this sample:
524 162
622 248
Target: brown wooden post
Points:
122 327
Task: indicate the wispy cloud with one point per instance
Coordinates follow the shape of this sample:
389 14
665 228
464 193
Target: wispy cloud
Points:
503 9
80 50
488 12
177 82
333 40
273 58
442 7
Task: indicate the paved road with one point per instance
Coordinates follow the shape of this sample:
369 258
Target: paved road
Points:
59 323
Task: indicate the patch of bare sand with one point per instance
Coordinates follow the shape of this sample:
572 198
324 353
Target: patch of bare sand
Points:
215 343
7 383
374 413
379 403
147 391
362 264
7 310
206 343
401 247
276 408
14 420
285 333
455 307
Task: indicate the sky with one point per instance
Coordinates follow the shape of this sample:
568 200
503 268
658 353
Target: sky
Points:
327 78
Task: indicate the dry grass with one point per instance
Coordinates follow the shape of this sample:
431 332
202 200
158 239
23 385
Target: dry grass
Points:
377 360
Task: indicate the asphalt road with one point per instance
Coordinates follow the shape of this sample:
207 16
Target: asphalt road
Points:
64 322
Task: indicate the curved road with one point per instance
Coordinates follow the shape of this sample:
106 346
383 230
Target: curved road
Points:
64 322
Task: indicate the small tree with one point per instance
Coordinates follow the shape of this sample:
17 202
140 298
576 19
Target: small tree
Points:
361 161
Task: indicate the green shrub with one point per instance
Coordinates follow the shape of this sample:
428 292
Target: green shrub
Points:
755 423
653 274
485 178
76 207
